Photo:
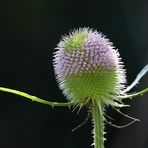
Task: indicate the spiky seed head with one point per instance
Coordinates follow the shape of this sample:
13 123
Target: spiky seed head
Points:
87 66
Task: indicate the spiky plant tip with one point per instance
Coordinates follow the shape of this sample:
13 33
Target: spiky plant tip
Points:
88 66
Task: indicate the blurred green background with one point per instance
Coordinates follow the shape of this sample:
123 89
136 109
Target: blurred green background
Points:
29 32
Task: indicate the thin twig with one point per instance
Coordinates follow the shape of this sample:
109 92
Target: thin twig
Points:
34 98
136 81
134 94
120 126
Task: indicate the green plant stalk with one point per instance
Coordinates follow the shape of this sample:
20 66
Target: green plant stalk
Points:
97 111
140 93
98 122
34 98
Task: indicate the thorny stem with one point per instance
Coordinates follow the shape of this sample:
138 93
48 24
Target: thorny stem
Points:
97 107
98 122
34 98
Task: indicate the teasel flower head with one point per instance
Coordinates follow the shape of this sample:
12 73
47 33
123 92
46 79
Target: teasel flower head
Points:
88 67
90 72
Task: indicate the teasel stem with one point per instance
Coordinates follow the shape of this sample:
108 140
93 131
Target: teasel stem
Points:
98 123
34 98
131 96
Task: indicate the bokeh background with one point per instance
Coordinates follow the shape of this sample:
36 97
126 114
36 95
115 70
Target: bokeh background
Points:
29 32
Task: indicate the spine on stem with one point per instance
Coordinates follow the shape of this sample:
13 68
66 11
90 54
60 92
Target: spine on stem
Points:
98 123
